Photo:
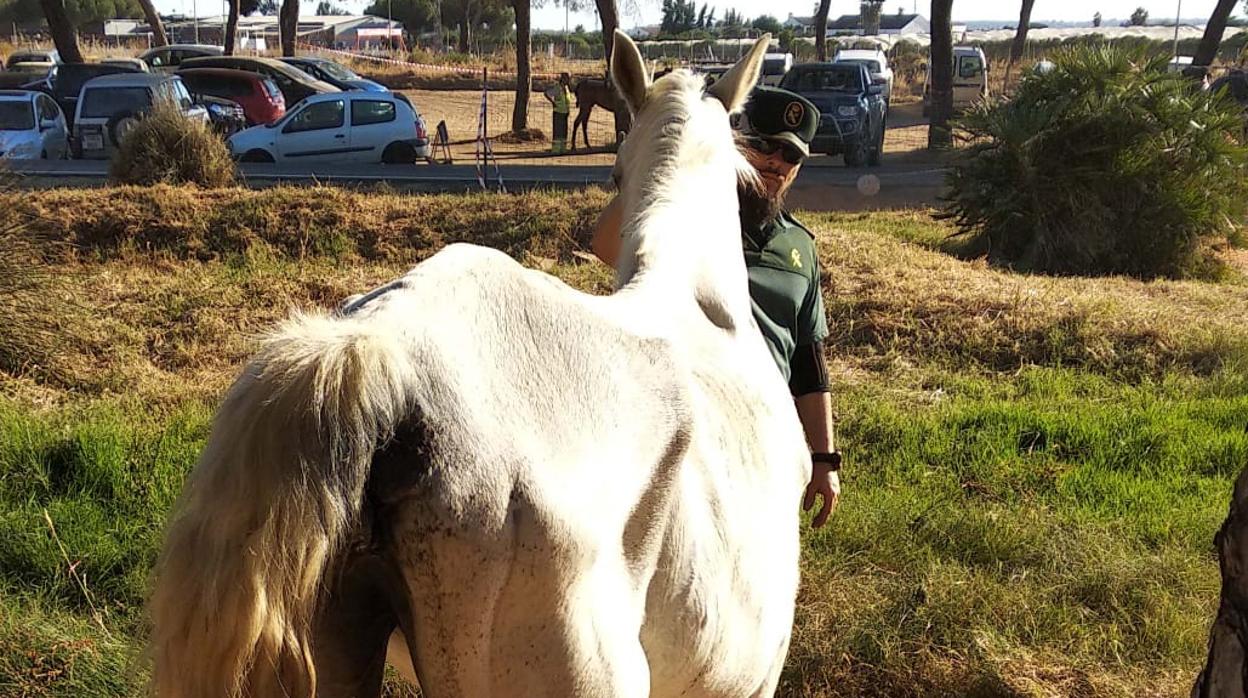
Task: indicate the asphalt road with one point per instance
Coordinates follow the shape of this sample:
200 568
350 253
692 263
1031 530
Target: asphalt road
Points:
820 186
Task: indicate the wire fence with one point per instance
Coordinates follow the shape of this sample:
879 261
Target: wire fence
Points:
462 96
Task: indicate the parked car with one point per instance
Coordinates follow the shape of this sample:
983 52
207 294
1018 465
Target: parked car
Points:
339 127
126 62
970 79
110 106
775 65
294 83
333 73
32 56
851 109
259 97
1235 83
167 59
27 78
876 62
31 126
225 115
30 76
72 76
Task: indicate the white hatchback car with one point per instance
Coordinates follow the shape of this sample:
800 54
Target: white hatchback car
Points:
877 65
339 127
31 127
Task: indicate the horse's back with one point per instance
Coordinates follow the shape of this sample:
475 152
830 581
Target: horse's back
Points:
549 438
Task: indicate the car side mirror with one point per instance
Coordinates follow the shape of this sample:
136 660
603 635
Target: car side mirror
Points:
47 124
875 90
881 80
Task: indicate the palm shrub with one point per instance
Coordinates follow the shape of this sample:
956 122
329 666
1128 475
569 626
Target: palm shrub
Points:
1105 165
167 148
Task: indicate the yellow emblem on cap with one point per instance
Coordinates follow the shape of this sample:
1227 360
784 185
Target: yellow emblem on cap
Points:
796 258
793 114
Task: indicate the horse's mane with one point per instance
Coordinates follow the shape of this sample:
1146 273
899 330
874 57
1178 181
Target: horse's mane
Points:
687 145
673 102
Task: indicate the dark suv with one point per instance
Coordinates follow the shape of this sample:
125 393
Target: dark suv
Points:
851 110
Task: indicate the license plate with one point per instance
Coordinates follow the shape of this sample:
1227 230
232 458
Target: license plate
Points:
95 142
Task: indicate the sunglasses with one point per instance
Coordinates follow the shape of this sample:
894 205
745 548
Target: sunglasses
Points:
791 155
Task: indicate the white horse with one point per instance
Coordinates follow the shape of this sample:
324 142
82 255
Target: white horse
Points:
535 491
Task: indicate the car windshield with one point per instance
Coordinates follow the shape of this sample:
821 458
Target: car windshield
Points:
336 71
70 78
872 66
104 103
826 79
25 57
16 116
773 66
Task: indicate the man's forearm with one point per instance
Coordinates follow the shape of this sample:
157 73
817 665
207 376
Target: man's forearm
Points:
815 412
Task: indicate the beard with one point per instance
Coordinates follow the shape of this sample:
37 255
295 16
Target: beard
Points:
757 206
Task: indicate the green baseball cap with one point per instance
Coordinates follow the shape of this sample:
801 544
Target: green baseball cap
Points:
780 115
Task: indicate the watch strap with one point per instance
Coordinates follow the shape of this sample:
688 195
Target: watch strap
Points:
832 460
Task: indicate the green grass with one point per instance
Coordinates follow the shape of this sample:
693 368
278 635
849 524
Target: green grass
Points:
1049 513
1035 467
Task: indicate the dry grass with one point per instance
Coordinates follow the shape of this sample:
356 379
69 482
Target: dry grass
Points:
176 282
889 302
177 278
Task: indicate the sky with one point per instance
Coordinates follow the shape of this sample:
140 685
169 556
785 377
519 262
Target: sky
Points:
551 16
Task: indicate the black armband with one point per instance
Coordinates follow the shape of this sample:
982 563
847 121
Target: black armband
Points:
807 371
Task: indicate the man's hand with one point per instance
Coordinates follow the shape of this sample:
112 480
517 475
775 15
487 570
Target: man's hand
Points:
826 482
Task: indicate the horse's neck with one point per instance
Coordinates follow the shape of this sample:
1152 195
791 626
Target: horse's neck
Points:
685 244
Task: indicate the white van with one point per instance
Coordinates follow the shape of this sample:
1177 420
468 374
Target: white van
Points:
970 78
775 65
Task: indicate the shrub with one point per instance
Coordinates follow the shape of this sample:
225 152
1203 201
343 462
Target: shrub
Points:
1105 165
166 147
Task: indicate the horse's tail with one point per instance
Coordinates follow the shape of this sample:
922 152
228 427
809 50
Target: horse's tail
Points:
276 490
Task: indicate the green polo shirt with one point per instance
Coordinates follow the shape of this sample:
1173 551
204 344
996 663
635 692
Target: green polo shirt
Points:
784 287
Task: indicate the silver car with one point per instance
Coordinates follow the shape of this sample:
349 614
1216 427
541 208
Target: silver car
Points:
166 59
31 127
109 107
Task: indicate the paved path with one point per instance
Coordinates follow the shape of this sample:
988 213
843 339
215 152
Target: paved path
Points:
822 185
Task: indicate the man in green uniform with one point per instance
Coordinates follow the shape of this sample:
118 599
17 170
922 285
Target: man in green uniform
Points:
777 127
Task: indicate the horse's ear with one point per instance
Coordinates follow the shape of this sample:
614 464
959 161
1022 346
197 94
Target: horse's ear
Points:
629 72
734 87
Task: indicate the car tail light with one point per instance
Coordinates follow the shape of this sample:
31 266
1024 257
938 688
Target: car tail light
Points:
421 134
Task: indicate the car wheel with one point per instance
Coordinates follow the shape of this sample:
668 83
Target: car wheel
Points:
256 156
877 150
399 153
122 127
856 153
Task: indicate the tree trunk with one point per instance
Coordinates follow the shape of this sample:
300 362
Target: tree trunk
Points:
1020 39
941 107
231 27
821 30
1208 48
465 40
288 21
609 13
153 21
1224 673
524 79
63 34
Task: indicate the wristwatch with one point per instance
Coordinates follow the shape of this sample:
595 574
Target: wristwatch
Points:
832 460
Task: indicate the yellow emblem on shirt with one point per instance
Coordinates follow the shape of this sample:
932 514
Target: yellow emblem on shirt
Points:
796 258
